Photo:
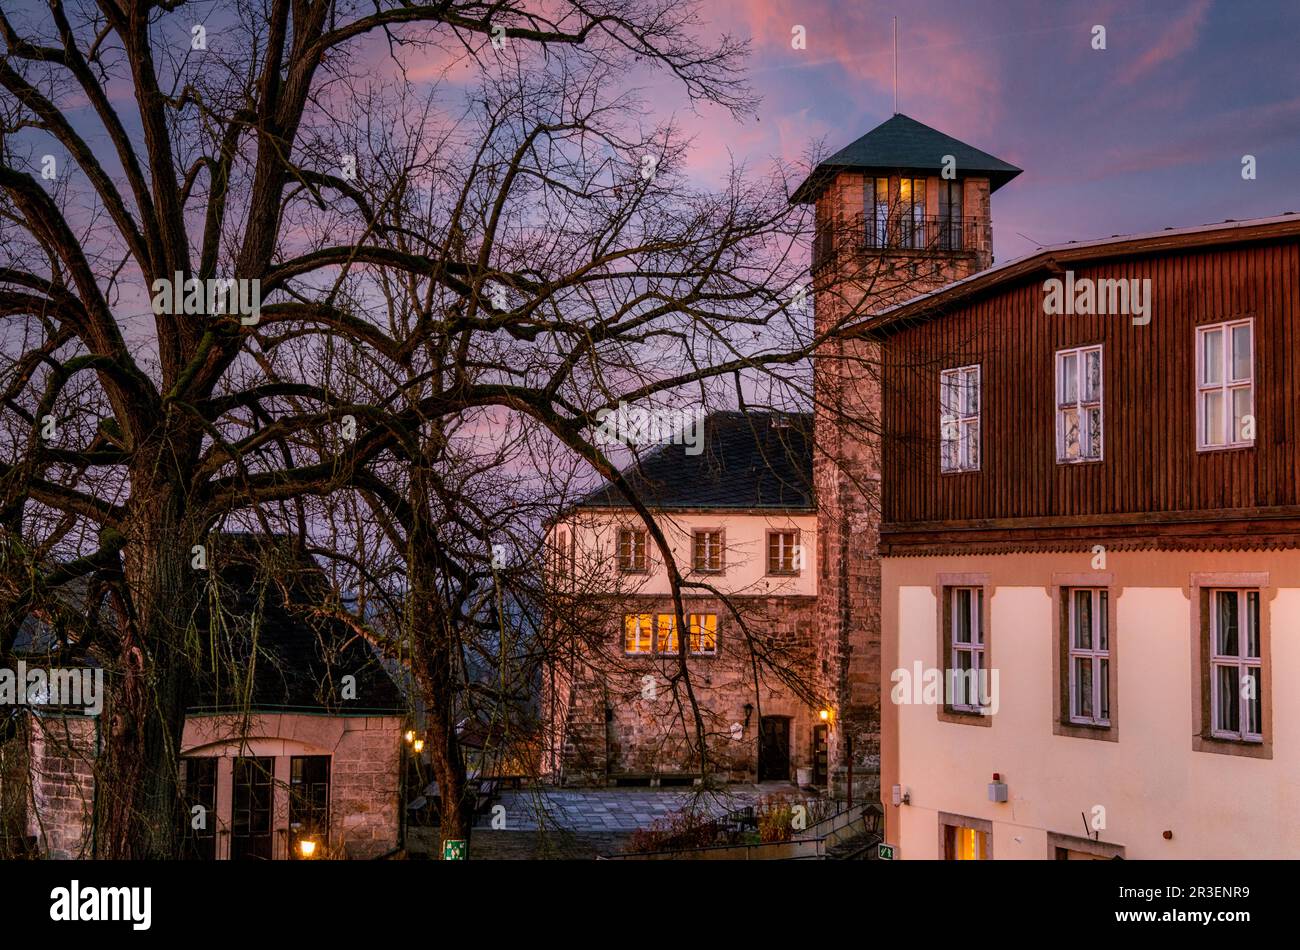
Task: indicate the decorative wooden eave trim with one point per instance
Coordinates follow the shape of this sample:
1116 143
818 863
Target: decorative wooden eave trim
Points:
1058 258
1248 529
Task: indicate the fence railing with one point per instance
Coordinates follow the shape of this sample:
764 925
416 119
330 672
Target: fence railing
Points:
899 231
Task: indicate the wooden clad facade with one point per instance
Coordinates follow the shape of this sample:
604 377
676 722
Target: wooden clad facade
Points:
1152 486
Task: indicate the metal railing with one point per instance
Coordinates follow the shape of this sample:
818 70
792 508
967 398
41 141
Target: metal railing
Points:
899 231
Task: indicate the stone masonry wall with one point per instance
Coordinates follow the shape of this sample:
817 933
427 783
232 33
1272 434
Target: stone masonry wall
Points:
851 284
62 784
624 717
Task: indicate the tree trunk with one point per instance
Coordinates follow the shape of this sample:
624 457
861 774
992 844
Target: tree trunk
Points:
434 651
137 803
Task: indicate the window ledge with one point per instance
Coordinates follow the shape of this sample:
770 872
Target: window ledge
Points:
1247 748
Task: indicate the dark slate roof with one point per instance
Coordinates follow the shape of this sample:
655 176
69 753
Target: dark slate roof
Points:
902 143
268 589
749 460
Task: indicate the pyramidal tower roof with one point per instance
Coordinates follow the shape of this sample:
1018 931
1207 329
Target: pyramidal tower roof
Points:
901 142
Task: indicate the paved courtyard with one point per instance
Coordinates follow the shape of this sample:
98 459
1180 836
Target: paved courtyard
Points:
581 823
582 810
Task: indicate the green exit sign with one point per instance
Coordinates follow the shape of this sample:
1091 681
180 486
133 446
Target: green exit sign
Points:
886 852
453 849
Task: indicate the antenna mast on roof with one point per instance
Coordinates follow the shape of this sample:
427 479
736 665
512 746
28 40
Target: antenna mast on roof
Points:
895 65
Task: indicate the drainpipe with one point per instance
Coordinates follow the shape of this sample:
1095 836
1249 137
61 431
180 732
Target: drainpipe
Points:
848 736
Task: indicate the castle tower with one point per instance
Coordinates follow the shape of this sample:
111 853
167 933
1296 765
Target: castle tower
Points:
900 212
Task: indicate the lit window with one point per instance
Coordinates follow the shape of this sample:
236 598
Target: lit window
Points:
704 633
967 670
632 550
782 552
309 804
1078 405
911 199
1225 390
708 550
1235 666
667 634
965 844
638 633
959 407
1089 656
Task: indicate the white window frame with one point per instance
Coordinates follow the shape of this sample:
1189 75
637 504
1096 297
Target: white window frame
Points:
637 544
1100 621
650 642
786 551
953 426
710 548
1080 404
1246 665
1225 387
698 620
977 647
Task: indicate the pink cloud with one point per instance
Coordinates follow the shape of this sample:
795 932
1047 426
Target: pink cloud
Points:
1179 38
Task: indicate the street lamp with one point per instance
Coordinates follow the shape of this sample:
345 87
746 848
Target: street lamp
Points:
307 847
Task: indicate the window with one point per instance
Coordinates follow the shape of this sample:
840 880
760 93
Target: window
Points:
1225 391
639 628
965 839
704 633
1236 705
877 212
309 803
250 836
959 406
950 204
632 550
782 552
638 633
563 554
708 551
1089 655
1078 405
911 199
667 629
200 844
1073 848
967 669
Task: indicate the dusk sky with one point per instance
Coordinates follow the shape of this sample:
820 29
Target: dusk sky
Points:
1148 133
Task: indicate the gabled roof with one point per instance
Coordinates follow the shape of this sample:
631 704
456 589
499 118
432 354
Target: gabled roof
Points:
902 143
1056 258
749 460
273 623
274 626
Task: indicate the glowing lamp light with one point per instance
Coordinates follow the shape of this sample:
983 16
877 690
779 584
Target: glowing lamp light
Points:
419 745
410 735
824 715
307 847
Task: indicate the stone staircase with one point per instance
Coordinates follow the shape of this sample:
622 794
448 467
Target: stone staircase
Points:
851 835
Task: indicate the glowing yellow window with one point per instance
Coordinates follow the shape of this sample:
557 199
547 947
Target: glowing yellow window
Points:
638 633
667 633
967 844
704 633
